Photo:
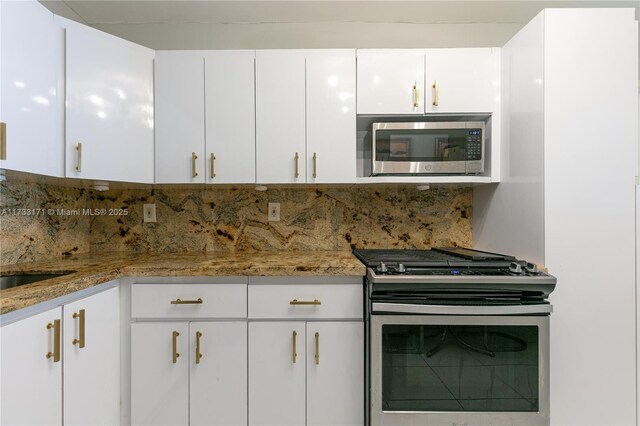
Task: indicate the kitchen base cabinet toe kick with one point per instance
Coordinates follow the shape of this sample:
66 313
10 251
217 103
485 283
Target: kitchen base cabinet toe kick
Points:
247 351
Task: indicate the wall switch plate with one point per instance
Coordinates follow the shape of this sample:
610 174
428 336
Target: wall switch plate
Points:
274 212
149 212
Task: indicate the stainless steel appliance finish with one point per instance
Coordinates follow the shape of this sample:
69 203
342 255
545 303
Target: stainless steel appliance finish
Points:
456 336
424 148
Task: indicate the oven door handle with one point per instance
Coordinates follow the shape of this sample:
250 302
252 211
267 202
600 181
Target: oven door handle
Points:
402 308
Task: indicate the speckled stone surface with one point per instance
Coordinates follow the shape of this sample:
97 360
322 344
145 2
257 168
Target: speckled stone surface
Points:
201 219
90 270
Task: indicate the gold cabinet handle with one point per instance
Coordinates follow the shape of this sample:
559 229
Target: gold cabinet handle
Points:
80 341
56 340
435 93
198 353
315 165
79 163
305 302
194 157
198 301
175 346
213 165
416 95
3 141
296 157
293 349
317 348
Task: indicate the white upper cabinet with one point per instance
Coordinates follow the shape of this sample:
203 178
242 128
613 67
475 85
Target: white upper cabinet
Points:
391 81
31 55
331 116
180 126
109 111
463 80
230 116
280 116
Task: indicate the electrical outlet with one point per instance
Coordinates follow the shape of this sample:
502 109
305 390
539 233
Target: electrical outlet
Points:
274 212
149 212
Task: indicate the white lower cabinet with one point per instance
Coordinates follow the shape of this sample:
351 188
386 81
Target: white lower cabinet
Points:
31 391
34 351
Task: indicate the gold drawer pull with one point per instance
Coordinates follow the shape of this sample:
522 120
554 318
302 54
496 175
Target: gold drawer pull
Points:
198 353
305 302
56 340
317 348
198 301
293 351
3 141
79 163
175 346
80 341
296 157
213 165
416 95
194 172
435 93
315 165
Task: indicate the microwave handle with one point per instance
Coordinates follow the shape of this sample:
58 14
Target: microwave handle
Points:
403 308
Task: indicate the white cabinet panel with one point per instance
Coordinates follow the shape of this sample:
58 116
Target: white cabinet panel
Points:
92 372
391 81
218 379
335 373
277 373
159 385
230 116
31 54
280 116
31 385
109 97
179 112
467 80
331 116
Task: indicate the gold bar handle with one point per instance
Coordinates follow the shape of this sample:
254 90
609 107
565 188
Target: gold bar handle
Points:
213 165
317 348
198 353
80 341
296 157
56 340
79 163
198 301
315 165
435 93
175 346
416 95
194 157
305 302
3 141
293 349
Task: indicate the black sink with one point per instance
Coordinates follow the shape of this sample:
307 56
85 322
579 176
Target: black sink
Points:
10 281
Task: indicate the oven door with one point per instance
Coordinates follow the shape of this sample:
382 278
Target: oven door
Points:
459 369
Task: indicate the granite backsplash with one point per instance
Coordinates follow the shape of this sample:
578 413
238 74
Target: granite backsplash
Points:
212 218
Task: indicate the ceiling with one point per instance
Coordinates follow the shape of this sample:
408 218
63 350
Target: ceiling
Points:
187 24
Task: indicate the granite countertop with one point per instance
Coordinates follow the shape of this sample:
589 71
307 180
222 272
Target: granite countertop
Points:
93 269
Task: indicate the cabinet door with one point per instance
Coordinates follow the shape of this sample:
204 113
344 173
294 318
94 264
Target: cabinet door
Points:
230 116
331 116
335 373
280 116
159 380
179 96
109 86
31 53
277 373
466 80
31 385
218 385
92 360
391 82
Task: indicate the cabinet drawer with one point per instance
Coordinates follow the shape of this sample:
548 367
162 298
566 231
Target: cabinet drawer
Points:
189 301
306 301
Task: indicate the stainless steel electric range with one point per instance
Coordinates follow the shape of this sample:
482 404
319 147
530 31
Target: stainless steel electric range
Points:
456 336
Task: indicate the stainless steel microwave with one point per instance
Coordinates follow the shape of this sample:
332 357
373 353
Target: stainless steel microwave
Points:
424 148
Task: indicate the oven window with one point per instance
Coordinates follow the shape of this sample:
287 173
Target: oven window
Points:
459 368
421 145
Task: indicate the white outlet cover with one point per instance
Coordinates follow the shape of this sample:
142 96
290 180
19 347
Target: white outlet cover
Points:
273 214
149 212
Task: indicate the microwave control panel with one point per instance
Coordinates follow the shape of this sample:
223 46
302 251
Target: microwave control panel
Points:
474 144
